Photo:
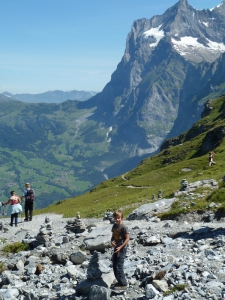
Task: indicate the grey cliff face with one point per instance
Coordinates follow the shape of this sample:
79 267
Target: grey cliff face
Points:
165 72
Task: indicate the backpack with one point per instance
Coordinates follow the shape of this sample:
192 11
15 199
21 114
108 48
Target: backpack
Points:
30 197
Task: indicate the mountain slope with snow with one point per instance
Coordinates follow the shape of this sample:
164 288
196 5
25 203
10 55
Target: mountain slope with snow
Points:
192 33
152 86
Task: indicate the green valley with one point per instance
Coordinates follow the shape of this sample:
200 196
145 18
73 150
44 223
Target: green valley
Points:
55 147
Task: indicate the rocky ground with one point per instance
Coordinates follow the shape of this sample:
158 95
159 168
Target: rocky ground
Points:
71 258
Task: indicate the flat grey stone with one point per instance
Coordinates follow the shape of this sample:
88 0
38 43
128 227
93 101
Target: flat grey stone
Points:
99 293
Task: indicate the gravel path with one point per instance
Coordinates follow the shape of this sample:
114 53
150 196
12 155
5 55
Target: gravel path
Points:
32 226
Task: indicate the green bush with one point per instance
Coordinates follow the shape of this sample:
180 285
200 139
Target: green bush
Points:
178 287
15 247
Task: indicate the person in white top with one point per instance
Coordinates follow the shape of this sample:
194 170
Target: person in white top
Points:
211 161
15 202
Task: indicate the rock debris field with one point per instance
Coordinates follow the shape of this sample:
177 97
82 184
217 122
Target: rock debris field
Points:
71 258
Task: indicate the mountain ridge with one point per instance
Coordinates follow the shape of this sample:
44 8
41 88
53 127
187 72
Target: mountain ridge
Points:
56 96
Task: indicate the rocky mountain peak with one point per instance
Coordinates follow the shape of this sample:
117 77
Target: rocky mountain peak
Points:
183 4
164 73
219 8
194 34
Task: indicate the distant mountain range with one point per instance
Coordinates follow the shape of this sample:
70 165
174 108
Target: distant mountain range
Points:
51 96
172 65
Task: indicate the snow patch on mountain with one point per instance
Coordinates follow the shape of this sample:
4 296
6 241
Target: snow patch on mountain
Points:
155 33
206 24
107 134
216 6
188 43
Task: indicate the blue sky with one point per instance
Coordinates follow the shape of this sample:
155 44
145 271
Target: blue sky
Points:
68 44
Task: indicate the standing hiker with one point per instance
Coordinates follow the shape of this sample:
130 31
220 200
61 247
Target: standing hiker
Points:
29 196
211 161
16 207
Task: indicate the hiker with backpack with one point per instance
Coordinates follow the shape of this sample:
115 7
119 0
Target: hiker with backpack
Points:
29 196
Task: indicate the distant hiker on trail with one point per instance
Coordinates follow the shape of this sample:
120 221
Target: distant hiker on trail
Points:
211 161
120 238
29 196
15 201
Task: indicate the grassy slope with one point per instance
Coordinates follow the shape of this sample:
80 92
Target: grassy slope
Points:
163 171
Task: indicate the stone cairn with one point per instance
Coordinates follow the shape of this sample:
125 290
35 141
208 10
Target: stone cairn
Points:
45 232
93 270
159 194
29 238
76 225
184 185
109 216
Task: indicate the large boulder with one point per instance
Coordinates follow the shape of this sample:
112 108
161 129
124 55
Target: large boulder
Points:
78 257
146 211
98 238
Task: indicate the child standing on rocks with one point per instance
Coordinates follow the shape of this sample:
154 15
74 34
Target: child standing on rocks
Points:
119 240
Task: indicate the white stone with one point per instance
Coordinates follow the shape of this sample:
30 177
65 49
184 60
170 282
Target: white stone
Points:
160 285
78 257
72 271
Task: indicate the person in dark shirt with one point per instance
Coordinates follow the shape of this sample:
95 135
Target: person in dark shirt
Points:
29 205
119 240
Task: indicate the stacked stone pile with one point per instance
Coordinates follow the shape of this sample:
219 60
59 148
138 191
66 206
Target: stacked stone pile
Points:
109 216
45 232
77 225
29 238
99 274
191 187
